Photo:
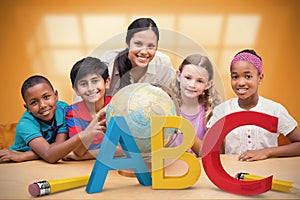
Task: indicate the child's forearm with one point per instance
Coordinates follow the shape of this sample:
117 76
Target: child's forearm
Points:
292 149
280 151
54 152
197 146
76 143
28 155
80 150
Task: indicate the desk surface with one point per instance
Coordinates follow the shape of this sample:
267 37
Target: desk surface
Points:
15 178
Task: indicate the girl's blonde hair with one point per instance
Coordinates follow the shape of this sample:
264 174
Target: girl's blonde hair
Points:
210 97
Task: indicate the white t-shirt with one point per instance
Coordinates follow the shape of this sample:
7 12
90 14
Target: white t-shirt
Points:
251 137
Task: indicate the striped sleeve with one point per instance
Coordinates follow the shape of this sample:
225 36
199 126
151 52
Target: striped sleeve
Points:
73 121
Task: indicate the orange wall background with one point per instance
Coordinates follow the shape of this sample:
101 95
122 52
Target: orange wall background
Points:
47 37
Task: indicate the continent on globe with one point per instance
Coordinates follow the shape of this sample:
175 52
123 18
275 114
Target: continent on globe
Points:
137 103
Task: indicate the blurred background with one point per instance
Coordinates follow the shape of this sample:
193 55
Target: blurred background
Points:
47 37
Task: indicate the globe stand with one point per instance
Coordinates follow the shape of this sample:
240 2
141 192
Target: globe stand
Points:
130 173
127 173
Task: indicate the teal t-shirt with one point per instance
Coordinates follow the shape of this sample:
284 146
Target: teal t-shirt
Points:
30 127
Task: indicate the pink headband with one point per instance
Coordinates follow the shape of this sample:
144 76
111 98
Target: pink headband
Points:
254 60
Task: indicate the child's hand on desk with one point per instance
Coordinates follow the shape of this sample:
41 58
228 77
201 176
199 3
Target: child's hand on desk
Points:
89 155
253 155
72 156
8 155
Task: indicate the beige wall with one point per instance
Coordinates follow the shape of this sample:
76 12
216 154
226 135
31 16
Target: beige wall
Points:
47 37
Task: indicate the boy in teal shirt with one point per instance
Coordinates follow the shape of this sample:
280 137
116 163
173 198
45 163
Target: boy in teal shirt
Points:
30 127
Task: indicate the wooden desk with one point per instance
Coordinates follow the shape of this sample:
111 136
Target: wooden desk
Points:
15 178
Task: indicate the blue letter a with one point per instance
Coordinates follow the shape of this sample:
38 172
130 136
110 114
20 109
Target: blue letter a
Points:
117 131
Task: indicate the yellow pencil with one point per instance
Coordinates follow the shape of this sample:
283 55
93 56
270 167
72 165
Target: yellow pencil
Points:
278 185
42 188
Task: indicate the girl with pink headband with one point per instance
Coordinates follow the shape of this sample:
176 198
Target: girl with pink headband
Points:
253 142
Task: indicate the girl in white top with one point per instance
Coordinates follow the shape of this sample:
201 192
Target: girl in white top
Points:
252 142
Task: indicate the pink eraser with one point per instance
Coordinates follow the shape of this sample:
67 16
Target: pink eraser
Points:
34 190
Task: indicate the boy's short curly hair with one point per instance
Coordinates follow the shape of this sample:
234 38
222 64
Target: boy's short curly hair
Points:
32 81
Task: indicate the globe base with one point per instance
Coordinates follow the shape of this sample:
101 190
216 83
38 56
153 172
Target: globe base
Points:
130 172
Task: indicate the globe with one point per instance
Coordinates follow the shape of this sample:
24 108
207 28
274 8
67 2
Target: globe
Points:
137 103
